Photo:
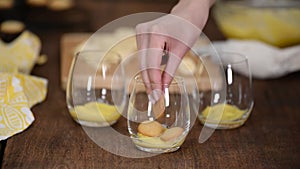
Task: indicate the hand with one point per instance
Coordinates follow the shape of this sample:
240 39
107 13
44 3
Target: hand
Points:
173 34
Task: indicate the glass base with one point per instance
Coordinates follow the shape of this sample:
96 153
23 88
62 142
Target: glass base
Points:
95 124
156 145
157 150
223 125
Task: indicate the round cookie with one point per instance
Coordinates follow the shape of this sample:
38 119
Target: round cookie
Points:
150 128
10 30
158 108
171 133
6 4
37 3
11 27
59 5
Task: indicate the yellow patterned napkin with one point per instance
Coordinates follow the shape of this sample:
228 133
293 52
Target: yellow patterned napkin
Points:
20 54
18 92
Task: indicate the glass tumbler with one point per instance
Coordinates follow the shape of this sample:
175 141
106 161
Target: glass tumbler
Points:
158 125
96 88
234 110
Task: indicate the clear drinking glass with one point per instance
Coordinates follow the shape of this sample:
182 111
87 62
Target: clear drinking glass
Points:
158 125
234 110
96 88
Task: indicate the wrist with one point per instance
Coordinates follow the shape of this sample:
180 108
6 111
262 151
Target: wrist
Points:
195 11
192 4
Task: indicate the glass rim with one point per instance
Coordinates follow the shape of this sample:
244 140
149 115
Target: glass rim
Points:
241 57
175 81
97 51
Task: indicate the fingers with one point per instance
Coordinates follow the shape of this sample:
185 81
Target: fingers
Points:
153 58
177 33
150 47
142 44
176 53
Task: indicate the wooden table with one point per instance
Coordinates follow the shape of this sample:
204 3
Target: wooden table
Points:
269 139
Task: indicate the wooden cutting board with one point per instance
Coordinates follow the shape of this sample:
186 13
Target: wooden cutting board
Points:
70 42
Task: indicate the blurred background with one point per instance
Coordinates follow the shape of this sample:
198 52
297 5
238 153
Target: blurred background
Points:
75 15
275 23
79 15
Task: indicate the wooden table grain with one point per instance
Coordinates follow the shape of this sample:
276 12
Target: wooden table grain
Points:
269 139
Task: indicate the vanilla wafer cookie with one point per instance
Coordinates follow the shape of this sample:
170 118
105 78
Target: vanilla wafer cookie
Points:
159 107
150 128
171 133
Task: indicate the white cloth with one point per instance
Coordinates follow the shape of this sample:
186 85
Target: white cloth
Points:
265 61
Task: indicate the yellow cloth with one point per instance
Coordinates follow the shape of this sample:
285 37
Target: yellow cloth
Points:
18 92
20 54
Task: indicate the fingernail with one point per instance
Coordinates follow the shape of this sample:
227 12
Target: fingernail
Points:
151 99
154 95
